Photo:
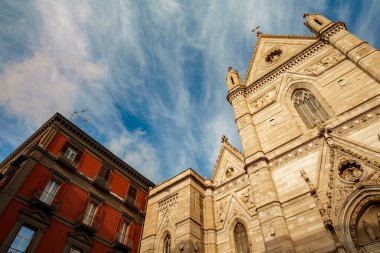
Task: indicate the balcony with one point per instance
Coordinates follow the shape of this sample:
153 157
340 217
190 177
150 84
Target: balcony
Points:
131 201
122 243
88 223
45 200
68 161
102 183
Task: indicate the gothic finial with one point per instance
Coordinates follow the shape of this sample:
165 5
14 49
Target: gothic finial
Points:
224 139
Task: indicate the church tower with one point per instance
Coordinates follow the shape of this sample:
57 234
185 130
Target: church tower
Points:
308 177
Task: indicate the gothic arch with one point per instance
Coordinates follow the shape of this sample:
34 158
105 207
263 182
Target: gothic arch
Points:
353 208
161 239
285 98
230 230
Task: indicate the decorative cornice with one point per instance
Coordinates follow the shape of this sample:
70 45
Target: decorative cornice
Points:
357 121
295 152
75 131
235 94
38 134
337 27
100 149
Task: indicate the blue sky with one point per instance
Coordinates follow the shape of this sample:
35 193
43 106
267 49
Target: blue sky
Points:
151 73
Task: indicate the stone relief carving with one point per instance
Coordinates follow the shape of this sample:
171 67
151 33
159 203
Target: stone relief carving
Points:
342 82
323 64
246 196
359 121
263 101
350 171
272 122
229 172
221 211
167 202
295 153
318 202
367 218
273 55
370 230
365 159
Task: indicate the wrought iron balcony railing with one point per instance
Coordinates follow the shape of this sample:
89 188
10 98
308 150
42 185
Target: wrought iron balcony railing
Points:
47 198
123 241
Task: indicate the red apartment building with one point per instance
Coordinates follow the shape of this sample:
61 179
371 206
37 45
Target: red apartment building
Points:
61 191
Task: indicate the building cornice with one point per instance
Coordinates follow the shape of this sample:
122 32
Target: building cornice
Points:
61 122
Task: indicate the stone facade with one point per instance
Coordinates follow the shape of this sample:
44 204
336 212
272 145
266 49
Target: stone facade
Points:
308 179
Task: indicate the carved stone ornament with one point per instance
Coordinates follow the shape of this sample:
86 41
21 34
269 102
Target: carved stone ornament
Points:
350 171
229 172
170 201
273 55
342 82
272 122
246 196
263 101
323 64
221 211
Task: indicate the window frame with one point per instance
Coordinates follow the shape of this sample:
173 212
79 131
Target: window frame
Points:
303 105
79 240
34 219
97 214
166 244
128 198
17 249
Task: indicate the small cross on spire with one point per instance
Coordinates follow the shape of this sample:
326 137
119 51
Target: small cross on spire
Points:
224 139
257 31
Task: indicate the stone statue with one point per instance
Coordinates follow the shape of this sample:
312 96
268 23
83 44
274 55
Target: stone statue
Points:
369 229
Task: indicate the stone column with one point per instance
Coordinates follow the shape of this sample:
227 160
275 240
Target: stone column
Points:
209 221
248 136
268 207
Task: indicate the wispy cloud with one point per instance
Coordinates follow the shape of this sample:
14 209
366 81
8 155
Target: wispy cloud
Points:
152 73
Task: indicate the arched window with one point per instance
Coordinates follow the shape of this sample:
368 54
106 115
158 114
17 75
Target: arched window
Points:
241 239
167 244
308 107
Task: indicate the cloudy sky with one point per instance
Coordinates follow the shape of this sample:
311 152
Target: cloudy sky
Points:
151 73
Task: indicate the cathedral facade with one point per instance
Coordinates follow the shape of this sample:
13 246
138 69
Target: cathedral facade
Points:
308 179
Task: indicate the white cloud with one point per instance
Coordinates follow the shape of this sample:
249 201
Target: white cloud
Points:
130 61
132 147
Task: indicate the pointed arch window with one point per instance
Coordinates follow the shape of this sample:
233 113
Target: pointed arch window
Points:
308 107
167 244
241 239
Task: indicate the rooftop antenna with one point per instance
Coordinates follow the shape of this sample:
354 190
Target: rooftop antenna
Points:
257 31
78 115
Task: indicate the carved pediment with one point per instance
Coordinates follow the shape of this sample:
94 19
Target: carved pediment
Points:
228 208
81 237
271 51
166 220
351 168
35 216
229 165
